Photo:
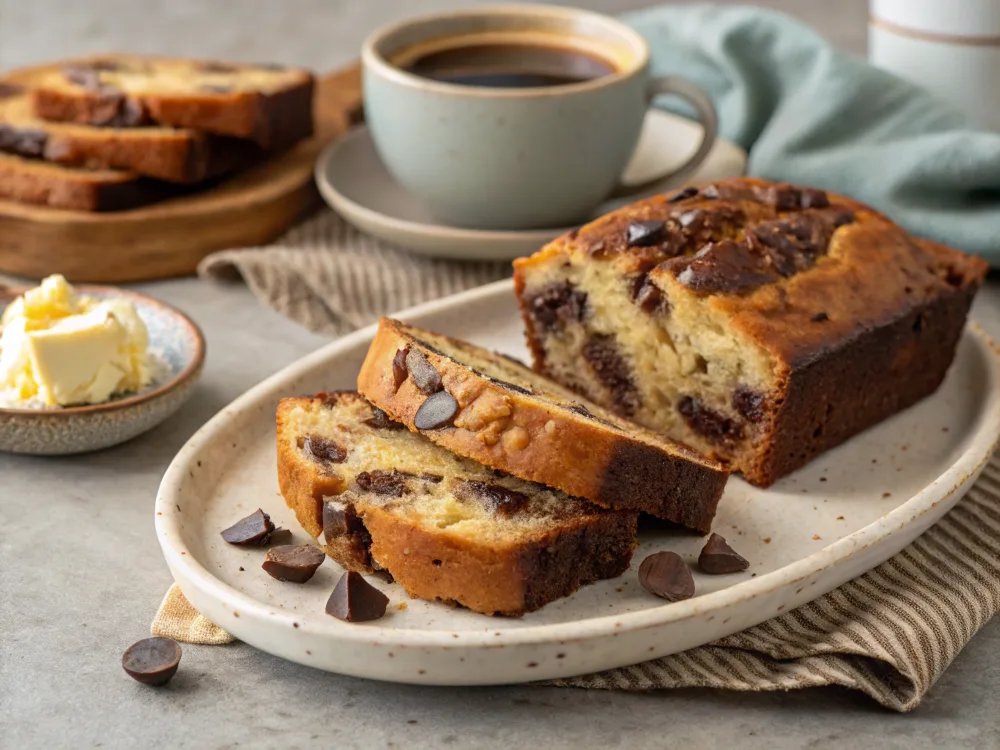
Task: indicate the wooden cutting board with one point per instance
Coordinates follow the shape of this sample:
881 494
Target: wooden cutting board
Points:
169 238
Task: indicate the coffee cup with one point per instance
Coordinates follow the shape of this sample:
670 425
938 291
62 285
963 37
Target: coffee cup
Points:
515 117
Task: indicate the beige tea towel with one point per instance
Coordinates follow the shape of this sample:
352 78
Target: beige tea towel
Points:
890 633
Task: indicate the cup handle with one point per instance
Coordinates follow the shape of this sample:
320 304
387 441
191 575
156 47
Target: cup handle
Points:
705 111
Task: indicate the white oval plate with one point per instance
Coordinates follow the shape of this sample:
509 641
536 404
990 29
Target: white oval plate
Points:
844 513
354 181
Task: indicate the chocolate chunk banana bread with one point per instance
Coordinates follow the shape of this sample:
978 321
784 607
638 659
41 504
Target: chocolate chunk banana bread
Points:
268 104
33 181
172 154
444 527
493 409
760 323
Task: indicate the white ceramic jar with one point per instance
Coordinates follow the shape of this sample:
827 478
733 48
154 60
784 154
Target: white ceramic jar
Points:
951 47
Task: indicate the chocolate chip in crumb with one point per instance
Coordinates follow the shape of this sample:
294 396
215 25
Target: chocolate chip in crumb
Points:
424 376
433 478
749 403
708 422
648 296
294 563
152 661
666 575
399 371
254 529
323 449
438 410
718 558
557 305
355 600
820 317
381 482
503 501
379 420
645 233
683 195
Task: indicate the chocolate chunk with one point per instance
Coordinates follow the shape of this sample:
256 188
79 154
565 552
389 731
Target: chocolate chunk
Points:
645 233
323 449
399 371
683 195
215 88
439 410
23 141
721 267
214 67
381 421
380 482
648 296
708 422
820 317
812 198
556 305
609 366
356 600
8 90
718 558
340 518
152 661
748 403
512 386
424 376
783 197
254 529
433 478
295 563
503 501
665 574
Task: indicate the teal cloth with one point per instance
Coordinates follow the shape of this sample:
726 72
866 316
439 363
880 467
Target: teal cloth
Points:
810 114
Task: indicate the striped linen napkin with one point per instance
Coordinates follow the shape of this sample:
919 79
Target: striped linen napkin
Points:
890 633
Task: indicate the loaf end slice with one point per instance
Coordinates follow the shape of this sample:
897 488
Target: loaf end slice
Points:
446 528
513 419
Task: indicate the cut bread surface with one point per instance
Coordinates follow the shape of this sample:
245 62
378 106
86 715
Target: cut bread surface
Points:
268 104
445 527
760 323
508 417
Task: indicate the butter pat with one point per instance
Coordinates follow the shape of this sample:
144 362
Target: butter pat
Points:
59 348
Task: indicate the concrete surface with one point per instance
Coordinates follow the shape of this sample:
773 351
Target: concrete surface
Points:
81 574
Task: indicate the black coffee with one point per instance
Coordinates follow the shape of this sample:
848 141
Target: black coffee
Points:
511 66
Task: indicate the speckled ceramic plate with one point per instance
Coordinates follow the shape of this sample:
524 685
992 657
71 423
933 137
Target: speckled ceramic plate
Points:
844 513
353 180
172 336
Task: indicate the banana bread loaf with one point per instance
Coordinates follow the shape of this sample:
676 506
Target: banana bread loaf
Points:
760 323
495 410
444 527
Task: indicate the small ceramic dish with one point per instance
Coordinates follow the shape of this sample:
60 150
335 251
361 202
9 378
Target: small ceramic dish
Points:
78 429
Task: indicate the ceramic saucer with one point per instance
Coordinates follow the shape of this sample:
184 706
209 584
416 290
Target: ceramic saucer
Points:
353 180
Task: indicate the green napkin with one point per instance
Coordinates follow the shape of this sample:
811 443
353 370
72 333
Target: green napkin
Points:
812 115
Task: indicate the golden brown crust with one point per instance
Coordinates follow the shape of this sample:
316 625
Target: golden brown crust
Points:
33 181
860 318
544 442
503 579
272 118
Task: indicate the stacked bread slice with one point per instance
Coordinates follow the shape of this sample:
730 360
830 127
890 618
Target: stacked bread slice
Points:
470 478
118 131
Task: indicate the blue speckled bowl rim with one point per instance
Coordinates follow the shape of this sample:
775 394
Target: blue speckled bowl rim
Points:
190 371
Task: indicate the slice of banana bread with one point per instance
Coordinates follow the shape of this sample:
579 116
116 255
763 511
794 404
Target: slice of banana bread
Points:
495 410
34 181
172 154
444 527
761 323
268 104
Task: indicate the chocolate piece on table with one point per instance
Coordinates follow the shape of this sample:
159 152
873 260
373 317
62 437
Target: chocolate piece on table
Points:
667 576
718 558
295 563
254 529
356 600
437 411
152 661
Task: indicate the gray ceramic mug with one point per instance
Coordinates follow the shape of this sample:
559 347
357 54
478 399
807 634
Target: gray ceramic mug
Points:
515 158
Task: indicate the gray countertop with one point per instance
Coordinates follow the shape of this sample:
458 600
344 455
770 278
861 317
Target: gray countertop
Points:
81 574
